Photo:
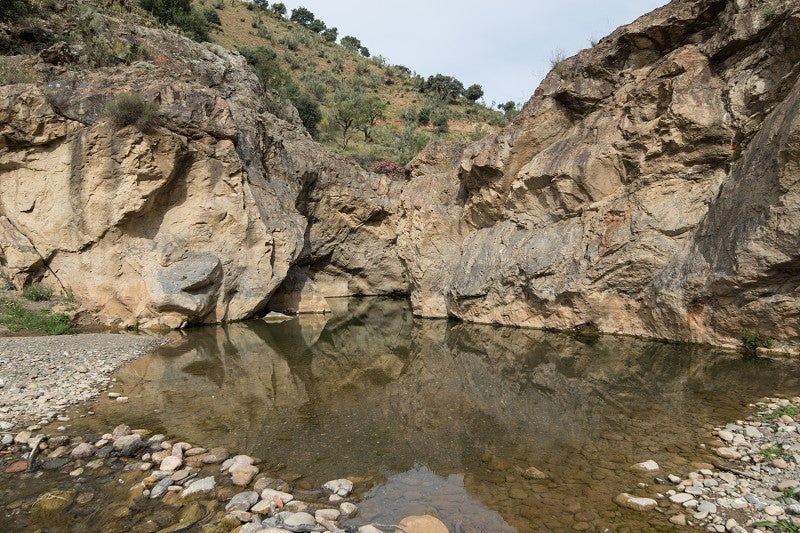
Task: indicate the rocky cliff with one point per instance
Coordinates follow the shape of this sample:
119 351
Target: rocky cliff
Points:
649 187
197 220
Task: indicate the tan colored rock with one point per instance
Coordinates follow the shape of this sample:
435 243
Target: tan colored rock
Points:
421 524
646 188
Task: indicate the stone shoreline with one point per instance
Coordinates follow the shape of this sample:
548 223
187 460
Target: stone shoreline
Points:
40 377
204 489
753 484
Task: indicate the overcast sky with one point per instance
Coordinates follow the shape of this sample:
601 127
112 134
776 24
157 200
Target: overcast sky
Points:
504 45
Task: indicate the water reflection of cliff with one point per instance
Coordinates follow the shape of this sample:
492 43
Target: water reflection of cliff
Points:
374 391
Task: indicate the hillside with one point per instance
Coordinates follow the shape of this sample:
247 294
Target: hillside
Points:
318 67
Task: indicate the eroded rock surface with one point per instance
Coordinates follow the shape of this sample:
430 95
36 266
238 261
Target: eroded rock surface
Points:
646 188
193 221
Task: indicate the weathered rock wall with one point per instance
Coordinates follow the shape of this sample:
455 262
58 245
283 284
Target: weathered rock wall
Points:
647 188
196 221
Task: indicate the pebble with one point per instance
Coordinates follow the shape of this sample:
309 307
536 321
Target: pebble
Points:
348 509
635 503
242 501
340 487
647 466
728 453
681 497
206 484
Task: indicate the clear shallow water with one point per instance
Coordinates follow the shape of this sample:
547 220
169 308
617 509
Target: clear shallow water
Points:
445 417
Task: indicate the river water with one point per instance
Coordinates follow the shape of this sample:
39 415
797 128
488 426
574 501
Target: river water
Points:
435 416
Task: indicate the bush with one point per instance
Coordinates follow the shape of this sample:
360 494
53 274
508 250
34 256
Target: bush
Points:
18 318
278 9
263 61
351 43
302 16
13 71
473 92
37 293
181 14
393 169
439 120
212 16
15 9
131 109
753 341
308 109
444 87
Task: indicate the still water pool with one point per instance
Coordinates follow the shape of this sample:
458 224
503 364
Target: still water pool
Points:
447 417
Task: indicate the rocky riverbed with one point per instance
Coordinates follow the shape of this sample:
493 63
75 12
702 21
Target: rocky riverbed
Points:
751 486
41 376
155 484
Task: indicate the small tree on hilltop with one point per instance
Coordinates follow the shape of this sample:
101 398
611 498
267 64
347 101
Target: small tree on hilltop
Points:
279 9
317 26
444 87
302 16
473 92
261 4
351 43
330 34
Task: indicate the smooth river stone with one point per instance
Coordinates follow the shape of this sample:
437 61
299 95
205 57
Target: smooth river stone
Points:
635 503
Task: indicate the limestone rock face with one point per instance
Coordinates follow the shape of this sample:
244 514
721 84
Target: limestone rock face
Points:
194 221
646 188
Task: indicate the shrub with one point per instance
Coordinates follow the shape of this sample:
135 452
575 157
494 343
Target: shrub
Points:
330 34
302 16
14 71
557 58
212 16
473 92
15 9
409 143
308 109
278 9
393 169
131 109
351 43
181 14
37 293
269 73
444 87
753 341
18 318
439 120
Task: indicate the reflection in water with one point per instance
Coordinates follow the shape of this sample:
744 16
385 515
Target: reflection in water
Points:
376 394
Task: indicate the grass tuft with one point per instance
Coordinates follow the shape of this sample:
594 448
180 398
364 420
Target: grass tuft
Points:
17 317
36 292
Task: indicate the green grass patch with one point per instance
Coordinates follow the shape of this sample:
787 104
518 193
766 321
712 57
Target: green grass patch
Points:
17 317
37 293
791 410
771 453
782 526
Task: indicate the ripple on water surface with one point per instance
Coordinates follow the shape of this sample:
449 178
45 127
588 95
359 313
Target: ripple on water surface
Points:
446 417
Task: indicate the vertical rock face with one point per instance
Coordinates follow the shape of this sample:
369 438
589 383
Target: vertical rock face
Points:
647 188
195 221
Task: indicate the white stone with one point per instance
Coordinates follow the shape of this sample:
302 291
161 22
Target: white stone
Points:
327 514
681 497
342 487
299 519
269 494
348 510
725 435
773 510
206 484
170 463
647 466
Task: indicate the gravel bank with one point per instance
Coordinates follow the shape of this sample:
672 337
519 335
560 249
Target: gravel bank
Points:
41 376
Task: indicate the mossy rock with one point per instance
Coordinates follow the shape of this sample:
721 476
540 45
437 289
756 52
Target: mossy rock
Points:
52 503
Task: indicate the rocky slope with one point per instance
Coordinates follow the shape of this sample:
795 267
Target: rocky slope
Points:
647 188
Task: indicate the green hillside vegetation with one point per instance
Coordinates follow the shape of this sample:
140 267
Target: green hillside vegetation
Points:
350 100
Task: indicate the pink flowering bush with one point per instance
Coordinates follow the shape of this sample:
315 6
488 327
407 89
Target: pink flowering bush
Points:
393 169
